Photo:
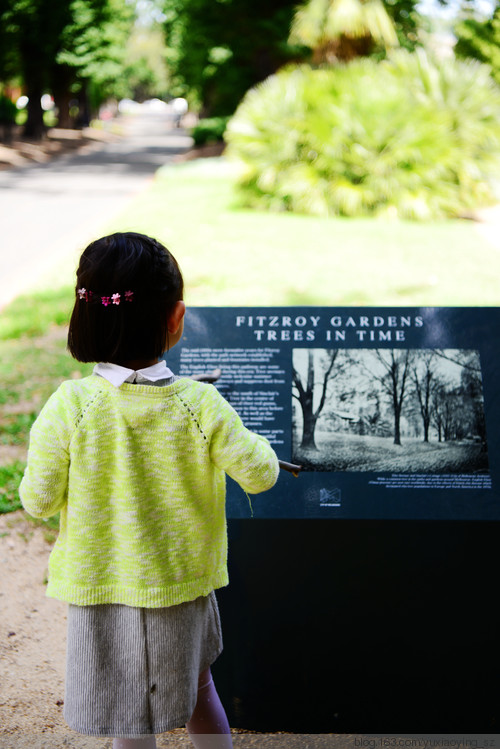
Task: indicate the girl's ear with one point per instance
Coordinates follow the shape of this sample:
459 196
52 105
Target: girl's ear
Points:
175 317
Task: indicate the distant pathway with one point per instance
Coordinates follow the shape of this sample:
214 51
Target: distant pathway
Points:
49 212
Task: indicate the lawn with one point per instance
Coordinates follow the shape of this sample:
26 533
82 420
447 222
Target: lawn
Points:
231 256
347 452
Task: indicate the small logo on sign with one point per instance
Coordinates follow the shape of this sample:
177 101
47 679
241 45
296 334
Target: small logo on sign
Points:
329 497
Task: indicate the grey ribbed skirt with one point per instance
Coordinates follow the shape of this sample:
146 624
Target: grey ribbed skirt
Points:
134 671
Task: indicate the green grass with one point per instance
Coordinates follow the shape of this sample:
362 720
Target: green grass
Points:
349 452
231 256
33 314
31 367
10 476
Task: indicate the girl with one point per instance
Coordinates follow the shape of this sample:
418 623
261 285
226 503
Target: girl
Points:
134 459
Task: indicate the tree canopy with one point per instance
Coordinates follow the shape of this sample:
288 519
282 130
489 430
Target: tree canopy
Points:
61 46
339 30
480 39
218 49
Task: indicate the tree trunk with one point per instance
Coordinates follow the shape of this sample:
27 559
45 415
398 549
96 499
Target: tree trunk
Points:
308 432
397 426
84 115
34 127
426 430
62 101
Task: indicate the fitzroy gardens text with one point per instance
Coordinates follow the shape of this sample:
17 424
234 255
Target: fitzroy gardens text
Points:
363 328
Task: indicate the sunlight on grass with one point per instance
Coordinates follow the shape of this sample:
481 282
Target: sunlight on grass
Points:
231 256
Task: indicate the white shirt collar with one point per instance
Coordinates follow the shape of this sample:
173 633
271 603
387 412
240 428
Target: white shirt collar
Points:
117 375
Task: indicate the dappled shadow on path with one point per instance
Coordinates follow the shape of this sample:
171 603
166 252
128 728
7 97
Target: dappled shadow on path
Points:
149 144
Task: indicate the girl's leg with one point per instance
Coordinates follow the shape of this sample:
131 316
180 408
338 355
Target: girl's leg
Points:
208 726
143 742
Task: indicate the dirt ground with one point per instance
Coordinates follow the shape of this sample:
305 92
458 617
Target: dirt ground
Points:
19 151
32 654
32 657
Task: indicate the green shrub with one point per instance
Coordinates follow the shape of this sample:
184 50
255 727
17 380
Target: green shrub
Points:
209 130
407 137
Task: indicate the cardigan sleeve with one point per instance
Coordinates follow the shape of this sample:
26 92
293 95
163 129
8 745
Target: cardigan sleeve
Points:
245 456
43 489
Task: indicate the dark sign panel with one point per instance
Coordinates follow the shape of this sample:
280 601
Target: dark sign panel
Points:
392 413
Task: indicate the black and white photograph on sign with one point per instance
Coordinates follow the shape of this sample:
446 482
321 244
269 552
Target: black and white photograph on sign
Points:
398 410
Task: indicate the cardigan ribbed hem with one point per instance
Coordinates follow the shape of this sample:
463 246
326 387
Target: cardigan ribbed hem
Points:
149 598
176 722
111 732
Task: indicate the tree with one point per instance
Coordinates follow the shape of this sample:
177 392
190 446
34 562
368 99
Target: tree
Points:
340 30
91 54
394 382
457 410
472 387
218 49
480 40
145 73
61 47
424 379
305 396
31 30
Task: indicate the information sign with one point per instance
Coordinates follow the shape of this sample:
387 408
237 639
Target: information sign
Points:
392 412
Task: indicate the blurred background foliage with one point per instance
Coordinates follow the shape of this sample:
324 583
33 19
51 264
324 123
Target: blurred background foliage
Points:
335 107
409 137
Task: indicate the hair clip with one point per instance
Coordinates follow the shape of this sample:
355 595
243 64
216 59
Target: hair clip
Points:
84 294
106 301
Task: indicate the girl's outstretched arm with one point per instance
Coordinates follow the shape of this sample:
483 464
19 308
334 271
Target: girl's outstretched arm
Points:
245 456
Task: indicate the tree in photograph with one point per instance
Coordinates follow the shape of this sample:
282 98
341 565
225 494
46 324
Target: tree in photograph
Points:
394 381
472 387
437 411
305 395
424 380
340 30
466 358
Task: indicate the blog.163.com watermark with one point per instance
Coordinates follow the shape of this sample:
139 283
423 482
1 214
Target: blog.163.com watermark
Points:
428 742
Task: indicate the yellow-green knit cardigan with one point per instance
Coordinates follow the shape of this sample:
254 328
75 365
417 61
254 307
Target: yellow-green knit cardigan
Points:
138 473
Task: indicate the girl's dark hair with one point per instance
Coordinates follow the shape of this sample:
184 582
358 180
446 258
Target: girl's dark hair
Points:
134 329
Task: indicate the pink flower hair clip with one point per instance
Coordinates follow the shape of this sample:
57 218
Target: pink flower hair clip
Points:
106 301
84 294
